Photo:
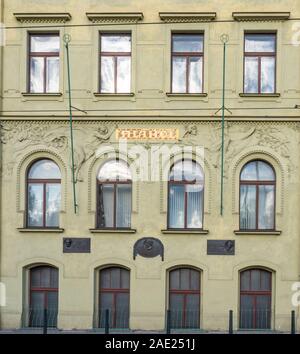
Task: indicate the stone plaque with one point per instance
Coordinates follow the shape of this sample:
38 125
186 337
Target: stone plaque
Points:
76 245
221 247
148 247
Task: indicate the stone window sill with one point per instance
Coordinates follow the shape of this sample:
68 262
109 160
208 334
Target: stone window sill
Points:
42 230
181 95
259 233
113 231
99 94
274 95
30 94
185 232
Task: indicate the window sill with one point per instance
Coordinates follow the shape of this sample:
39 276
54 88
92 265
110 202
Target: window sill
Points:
274 95
113 231
192 232
259 233
99 94
29 94
170 94
42 230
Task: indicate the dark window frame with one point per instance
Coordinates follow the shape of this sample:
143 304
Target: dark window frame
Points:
185 183
115 55
260 55
44 55
187 56
44 182
257 183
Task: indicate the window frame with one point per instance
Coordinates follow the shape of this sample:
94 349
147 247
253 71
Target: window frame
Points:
44 55
187 56
185 183
260 55
257 183
115 55
44 182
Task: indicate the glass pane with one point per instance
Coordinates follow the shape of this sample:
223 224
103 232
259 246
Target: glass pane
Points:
107 75
44 44
123 74
176 308
35 277
52 83
114 170
185 279
247 207
245 280
176 206
105 279
125 278
52 300
115 278
186 170
187 43
175 279
54 278
116 43
45 277
192 311
123 207
195 280
122 311
267 75
265 172
247 312
106 301
266 207
255 279
260 42
52 204
249 172
37 300
251 75
108 203
257 170
37 75
44 169
35 204
266 281
263 312
179 75
195 77
194 205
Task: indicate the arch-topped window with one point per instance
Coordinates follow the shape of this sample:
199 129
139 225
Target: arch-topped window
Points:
114 195
43 194
114 296
186 193
257 196
255 298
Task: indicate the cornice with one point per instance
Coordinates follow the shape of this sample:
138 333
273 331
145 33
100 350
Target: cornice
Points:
42 17
261 16
171 17
115 17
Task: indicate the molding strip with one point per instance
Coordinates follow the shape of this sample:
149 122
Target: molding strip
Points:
44 17
115 17
171 17
261 16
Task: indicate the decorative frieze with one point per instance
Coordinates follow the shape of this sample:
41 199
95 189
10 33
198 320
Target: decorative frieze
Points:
115 17
42 17
171 17
261 16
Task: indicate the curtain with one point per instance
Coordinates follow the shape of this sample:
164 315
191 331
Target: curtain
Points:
123 207
176 206
266 207
194 206
247 207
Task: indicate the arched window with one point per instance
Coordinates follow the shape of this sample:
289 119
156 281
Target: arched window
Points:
114 196
184 298
186 192
255 299
114 297
43 295
257 196
43 194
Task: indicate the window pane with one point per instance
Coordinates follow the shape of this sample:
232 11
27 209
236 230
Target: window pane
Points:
192 311
44 169
114 170
54 278
44 44
251 75
105 278
35 277
245 280
123 207
176 307
185 279
246 312
115 43
115 278
176 206
194 206
122 311
195 77
106 301
45 277
37 75
195 280
260 42
249 172
265 171
35 204
265 279
175 279
247 207
52 84
266 207
267 75
187 43
52 300
52 204
37 300
255 279
108 204
107 75
263 312
178 75
124 74
125 275
186 170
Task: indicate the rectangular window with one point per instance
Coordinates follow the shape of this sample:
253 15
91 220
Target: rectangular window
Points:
115 63
260 63
44 63
187 63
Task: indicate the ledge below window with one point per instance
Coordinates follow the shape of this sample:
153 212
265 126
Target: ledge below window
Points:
99 94
113 231
171 94
259 94
30 94
45 230
192 232
259 233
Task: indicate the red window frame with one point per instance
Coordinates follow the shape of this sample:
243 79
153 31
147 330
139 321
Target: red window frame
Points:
187 56
255 293
258 183
44 55
260 55
115 55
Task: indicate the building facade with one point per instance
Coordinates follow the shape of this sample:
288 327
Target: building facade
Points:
134 226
